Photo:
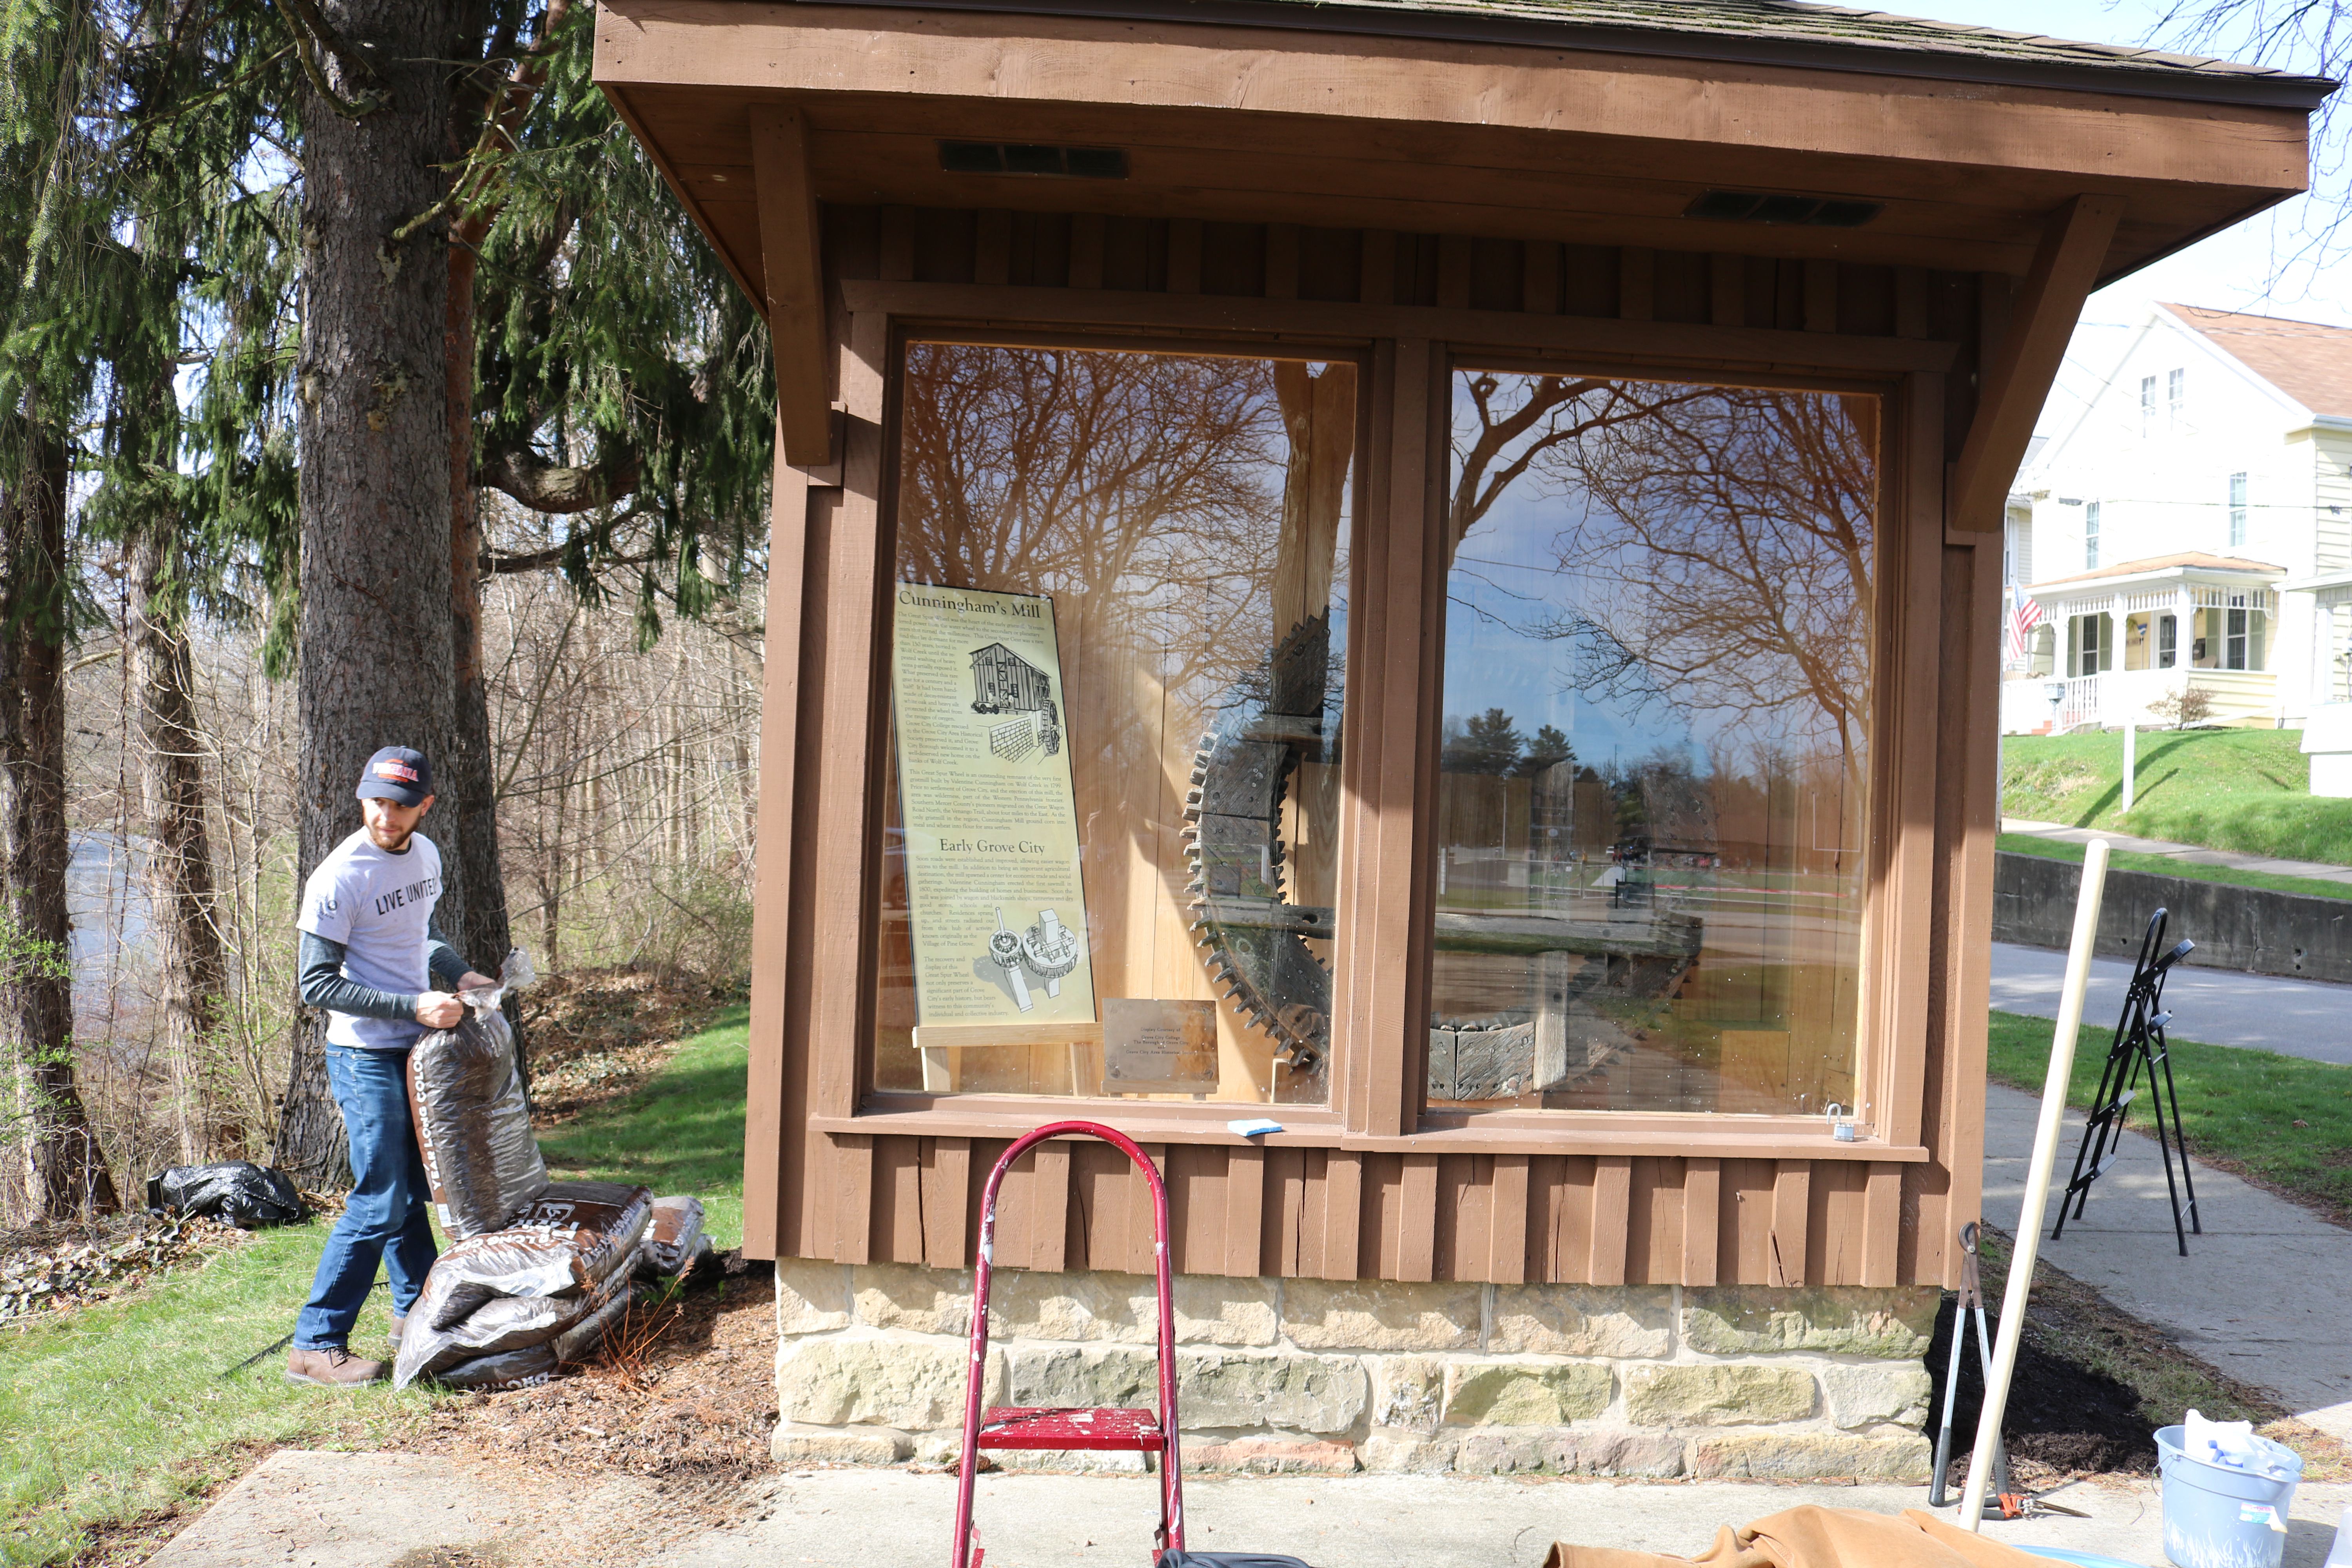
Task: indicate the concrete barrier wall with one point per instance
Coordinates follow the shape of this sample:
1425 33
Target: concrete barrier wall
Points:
2251 930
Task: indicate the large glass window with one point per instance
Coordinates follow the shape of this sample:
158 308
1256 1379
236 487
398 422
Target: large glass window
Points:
1118 625
1650 817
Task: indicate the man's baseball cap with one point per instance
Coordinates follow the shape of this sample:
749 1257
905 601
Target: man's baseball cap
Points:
398 774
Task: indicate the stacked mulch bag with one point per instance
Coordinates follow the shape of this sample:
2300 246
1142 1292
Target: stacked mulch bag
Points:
539 1271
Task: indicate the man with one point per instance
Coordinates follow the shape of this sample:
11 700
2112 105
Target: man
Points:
370 953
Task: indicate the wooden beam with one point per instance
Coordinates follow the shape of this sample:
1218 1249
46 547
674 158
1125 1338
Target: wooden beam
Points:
792 261
2066 266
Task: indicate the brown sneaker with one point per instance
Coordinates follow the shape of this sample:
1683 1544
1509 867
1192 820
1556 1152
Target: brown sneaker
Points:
332 1367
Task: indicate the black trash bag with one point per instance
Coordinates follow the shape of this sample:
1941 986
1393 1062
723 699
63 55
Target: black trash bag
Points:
1226 1560
239 1192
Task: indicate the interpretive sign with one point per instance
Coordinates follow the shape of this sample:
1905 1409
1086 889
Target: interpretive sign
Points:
997 910
1152 1047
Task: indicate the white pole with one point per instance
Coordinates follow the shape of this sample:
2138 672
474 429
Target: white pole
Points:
2037 1180
2131 761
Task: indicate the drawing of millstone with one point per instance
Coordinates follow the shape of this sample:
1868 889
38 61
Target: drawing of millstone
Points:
1004 949
1050 949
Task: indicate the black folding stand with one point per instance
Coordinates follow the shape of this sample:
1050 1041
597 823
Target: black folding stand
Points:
2139 1044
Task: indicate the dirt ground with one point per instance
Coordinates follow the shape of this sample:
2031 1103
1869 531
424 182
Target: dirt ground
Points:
686 1397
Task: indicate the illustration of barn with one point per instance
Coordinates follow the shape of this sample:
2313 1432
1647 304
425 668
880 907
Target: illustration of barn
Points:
1004 682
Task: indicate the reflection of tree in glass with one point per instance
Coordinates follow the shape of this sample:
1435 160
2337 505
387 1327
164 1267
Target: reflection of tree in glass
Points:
1143 487
1722 543
1486 742
1515 422
1728 550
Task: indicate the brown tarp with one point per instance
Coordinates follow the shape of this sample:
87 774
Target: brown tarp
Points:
1815 1537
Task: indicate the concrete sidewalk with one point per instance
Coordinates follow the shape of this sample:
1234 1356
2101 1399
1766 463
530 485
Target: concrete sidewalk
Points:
2187 854
311 1510
2261 1295
2307 1019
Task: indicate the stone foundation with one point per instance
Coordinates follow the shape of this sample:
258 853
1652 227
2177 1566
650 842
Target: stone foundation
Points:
1313 1376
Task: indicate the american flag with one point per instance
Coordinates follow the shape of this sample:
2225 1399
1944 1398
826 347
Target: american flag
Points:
2021 621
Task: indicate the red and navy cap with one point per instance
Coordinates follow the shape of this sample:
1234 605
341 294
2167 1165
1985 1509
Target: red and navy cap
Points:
398 774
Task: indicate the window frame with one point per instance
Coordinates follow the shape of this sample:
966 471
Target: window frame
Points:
2091 520
1379 1068
1895 912
2238 489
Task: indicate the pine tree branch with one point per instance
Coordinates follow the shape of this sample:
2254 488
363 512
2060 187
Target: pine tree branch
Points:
517 472
313 32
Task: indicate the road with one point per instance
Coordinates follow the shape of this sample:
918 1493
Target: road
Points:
2308 1019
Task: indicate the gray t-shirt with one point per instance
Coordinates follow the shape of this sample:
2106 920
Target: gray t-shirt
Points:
378 906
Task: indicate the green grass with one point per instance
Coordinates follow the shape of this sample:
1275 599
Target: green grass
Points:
2246 790
124 1409
682 1133
119 1410
2166 866
2239 1108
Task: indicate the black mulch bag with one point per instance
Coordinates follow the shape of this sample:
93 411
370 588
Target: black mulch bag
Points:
1226 1560
239 1192
473 1125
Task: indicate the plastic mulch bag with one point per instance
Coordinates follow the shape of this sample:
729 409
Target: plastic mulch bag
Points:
509 1369
575 1234
239 1192
565 1244
473 1124
500 1325
674 1239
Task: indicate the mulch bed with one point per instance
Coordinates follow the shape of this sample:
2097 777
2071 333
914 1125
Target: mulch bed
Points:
684 1395
2062 1422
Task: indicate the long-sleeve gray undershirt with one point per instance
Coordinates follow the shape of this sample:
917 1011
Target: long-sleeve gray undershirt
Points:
323 983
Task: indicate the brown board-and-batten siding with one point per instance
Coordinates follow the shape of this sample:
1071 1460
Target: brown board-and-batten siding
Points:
1711 1216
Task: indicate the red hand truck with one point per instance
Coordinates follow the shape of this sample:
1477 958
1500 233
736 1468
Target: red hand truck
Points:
1068 1429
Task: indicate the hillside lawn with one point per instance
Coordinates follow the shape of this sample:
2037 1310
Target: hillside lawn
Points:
119 1412
2246 790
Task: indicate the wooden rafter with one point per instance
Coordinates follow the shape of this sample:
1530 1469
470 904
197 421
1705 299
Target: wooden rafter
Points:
2066 265
791 260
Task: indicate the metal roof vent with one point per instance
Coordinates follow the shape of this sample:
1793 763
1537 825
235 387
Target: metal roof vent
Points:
1029 158
1760 206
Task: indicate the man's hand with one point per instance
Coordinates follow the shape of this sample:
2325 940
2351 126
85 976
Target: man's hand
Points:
439 1010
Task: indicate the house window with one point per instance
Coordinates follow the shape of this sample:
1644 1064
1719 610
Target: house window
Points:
2242 634
2168 641
2091 537
2175 393
1648 865
1108 856
2088 662
2237 508
2148 406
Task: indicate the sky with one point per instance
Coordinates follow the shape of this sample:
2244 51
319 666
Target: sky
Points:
2248 268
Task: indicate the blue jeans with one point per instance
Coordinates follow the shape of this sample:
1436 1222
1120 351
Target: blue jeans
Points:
385 1220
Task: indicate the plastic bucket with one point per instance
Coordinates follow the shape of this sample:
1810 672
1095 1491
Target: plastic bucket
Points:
2217 1517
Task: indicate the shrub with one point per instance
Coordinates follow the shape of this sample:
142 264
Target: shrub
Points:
2192 704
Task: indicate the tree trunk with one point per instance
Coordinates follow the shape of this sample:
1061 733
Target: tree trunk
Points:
64 1171
376 665
192 967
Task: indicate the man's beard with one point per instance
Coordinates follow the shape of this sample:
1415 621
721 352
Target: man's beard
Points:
398 843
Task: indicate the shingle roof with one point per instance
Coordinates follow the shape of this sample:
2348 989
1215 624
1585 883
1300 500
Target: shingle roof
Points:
2309 363
1799 20
1795 32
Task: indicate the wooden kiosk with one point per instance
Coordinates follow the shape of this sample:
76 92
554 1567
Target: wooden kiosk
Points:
1427 573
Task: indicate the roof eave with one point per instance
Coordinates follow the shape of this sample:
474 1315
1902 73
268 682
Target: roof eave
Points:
2221 576
2251 90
